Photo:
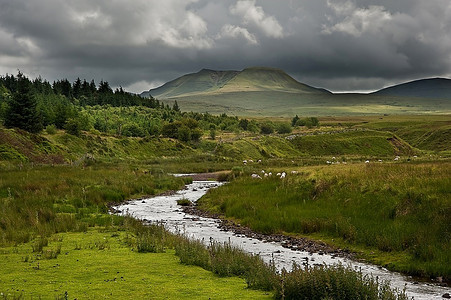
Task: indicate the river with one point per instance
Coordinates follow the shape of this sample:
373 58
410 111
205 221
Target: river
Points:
165 209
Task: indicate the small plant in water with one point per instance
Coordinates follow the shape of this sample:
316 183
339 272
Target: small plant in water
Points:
184 202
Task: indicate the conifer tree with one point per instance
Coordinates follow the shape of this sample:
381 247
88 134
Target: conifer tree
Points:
22 112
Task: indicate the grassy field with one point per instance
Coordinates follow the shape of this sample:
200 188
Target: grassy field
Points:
397 209
45 200
283 104
56 237
55 190
58 241
351 137
99 264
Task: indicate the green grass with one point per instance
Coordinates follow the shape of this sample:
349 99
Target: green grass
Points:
42 207
401 209
426 133
284 104
45 200
99 264
368 142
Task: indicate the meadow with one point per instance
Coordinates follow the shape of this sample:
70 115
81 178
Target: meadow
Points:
395 214
55 189
58 241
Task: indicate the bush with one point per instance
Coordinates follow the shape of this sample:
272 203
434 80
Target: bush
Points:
212 133
336 282
184 202
196 134
133 129
266 128
284 128
184 134
50 129
308 122
73 127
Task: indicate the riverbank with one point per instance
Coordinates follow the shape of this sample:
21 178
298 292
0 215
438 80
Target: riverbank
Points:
99 264
204 244
394 215
289 242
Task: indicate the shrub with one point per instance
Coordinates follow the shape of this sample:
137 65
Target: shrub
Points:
184 202
73 127
336 282
132 129
266 128
284 128
50 129
212 133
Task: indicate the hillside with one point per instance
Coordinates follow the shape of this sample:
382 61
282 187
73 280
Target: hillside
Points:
424 88
203 81
210 82
260 91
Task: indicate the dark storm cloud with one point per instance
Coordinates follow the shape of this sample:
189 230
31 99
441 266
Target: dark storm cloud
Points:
339 45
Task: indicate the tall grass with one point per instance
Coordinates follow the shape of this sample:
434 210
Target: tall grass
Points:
226 260
336 282
318 282
44 200
402 208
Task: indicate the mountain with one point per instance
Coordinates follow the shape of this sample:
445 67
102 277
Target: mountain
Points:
255 79
423 88
261 92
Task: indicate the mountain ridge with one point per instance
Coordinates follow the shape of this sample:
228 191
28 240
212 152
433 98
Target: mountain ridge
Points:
436 87
263 91
207 81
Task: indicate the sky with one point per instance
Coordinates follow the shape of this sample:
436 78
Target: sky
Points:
340 45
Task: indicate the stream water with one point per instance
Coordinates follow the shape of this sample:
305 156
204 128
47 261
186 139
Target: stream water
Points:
165 209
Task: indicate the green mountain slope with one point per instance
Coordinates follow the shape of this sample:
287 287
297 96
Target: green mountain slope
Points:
203 81
425 88
209 82
260 91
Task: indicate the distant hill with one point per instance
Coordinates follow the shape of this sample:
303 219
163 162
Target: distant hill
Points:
260 91
423 88
255 79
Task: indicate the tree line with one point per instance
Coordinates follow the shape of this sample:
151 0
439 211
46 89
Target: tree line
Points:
36 105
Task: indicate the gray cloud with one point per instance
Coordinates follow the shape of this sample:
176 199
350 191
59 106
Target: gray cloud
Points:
336 44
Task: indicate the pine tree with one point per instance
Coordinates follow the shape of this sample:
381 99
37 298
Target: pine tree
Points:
176 107
22 112
76 88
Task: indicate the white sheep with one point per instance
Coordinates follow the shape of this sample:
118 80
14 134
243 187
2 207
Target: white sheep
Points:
256 176
294 172
283 175
367 161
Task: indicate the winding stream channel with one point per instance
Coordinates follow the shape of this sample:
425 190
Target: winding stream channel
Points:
165 209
